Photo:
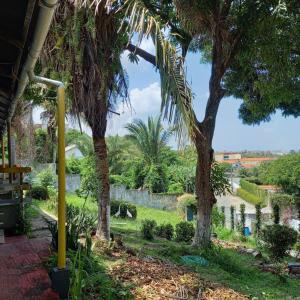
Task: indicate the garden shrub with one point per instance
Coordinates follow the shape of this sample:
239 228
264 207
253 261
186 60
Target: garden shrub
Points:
243 219
185 231
165 231
249 197
73 165
115 205
232 217
147 229
218 217
175 188
47 178
258 219
278 239
39 192
276 213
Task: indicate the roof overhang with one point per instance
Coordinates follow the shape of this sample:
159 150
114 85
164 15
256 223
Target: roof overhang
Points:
21 25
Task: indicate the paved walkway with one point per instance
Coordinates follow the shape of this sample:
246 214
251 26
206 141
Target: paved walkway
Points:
22 274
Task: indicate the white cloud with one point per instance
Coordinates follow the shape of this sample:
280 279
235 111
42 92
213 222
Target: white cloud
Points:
143 103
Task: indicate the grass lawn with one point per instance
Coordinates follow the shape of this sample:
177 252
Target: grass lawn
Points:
226 266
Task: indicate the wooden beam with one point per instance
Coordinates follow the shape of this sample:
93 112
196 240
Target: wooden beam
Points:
17 170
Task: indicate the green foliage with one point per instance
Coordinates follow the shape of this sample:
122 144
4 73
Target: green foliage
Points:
220 183
81 140
39 192
165 231
242 210
284 172
73 165
147 229
43 147
89 184
184 231
79 221
276 213
258 219
46 178
149 138
218 217
232 217
155 179
223 212
249 197
175 188
282 200
278 239
252 188
123 206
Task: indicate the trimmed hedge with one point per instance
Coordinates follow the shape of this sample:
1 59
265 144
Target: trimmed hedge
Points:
115 205
185 231
254 189
248 196
165 231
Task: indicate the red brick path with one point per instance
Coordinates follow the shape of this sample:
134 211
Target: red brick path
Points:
22 275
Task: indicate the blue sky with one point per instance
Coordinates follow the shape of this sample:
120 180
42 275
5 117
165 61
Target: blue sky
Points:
231 134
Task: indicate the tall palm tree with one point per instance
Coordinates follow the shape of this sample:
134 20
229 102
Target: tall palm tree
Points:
84 47
150 138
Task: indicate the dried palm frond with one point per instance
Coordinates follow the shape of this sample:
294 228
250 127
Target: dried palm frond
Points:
175 91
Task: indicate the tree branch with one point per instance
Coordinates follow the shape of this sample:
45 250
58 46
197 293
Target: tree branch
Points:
142 53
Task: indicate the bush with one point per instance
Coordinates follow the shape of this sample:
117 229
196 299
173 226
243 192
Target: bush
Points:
73 165
148 229
175 188
39 192
47 178
251 198
184 232
115 205
165 231
218 217
278 239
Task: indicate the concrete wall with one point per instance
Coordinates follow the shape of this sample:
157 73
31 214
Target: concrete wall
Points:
72 183
144 197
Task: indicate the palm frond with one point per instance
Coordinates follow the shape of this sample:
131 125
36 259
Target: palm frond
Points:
176 94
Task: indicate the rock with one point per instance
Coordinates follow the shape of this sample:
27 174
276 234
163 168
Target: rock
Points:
294 268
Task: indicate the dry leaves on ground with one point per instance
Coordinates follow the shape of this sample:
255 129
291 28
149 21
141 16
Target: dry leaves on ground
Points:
158 280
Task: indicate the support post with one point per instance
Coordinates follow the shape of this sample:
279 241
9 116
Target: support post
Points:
61 264
59 275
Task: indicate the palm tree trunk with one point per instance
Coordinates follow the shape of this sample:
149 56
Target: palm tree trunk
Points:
102 169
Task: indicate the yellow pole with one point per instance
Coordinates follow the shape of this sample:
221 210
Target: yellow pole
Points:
61 263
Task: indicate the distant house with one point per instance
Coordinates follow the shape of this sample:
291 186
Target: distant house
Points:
73 151
224 156
237 160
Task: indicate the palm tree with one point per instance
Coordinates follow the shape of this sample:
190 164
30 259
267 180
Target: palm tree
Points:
150 138
84 47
